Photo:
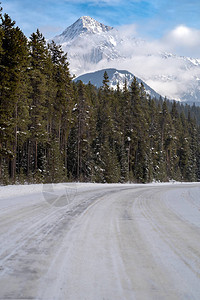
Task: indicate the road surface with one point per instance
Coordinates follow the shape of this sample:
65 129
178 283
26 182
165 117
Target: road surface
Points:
103 242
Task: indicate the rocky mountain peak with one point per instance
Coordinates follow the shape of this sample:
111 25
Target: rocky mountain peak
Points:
84 25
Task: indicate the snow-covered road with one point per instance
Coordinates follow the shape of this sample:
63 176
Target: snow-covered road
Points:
100 242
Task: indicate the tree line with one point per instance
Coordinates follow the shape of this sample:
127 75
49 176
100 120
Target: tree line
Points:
55 130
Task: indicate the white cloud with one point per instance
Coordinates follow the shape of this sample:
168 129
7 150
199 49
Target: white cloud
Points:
128 30
183 40
170 75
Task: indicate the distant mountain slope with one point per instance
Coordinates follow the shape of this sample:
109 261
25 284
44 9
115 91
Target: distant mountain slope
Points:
115 77
91 45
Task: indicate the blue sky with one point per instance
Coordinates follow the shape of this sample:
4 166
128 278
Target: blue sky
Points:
152 19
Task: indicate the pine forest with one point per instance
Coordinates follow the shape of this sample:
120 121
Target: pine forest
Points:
55 130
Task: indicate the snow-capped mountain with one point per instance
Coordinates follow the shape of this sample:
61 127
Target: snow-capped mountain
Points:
84 25
92 46
87 43
115 77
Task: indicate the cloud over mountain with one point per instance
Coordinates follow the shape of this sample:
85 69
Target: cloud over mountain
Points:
92 46
183 40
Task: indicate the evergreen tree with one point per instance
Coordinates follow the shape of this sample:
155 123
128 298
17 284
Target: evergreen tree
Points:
60 120
13 91
139 133
83 144
183 151
38 95
155 164
193 150
166 140
176 133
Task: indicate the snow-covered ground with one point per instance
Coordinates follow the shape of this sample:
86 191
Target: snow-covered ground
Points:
100 241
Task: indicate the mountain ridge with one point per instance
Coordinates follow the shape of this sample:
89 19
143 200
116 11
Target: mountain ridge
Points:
115 77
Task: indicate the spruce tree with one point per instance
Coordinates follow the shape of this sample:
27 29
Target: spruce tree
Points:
193 150
176 133
38 95
139 133
13 89
62 103
166 140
